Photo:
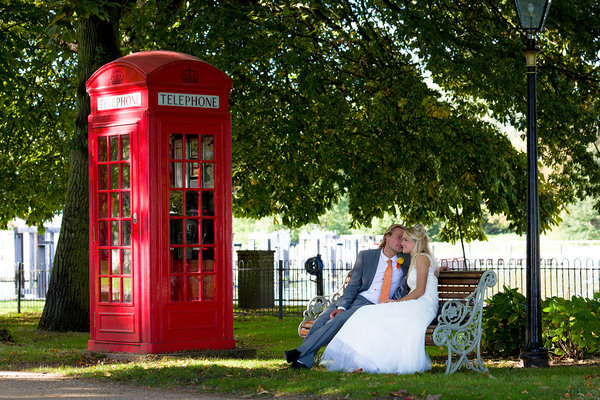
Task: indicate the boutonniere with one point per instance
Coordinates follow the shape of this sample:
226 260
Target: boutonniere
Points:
399 262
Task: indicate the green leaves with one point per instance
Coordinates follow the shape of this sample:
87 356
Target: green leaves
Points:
572 327
382 102
504 321
35 117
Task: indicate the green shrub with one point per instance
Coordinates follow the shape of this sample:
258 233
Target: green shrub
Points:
504 322
572 327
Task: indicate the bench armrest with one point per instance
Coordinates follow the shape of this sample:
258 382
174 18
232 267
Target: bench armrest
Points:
459 326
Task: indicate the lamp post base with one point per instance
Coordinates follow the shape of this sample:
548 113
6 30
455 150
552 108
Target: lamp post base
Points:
534 358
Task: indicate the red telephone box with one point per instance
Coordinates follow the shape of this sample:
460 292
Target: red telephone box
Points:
160 205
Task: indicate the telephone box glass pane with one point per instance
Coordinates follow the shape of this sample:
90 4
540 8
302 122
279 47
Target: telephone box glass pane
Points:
177 288
104 290
192 254
103 262
125 205
208 260
176 175
126 262
191 147
103 205
208 231
191 231
191 203
114 233
208 287
176 204
192 175
176 260
102 177
103 234
114 176
208 148
127 290
126 235
176 231
102 154
114 148
115 262
125 176
208 176
176 146
193 288
208 204
125 147
114 205
116 290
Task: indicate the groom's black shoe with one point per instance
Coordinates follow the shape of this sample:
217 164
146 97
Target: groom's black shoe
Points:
298 365
292 355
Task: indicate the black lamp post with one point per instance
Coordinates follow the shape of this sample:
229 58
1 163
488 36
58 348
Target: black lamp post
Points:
532 14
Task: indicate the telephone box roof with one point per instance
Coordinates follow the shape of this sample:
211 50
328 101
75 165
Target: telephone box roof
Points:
149 64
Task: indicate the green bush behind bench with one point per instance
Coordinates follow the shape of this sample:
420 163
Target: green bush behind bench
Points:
571 328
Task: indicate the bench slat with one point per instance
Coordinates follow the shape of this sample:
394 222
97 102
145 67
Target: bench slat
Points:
460 274
459 281
452 289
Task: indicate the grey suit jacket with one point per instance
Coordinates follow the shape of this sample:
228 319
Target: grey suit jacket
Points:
363 274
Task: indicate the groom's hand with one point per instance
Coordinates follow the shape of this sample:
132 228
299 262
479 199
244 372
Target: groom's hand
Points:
336 312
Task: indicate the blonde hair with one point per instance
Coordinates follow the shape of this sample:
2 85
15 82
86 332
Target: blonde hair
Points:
388 232
418 233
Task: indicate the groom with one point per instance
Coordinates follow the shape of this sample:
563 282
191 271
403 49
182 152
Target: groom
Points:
366 286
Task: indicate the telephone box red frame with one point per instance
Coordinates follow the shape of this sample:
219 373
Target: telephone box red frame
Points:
160 205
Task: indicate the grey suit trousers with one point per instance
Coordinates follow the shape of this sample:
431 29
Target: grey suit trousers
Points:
324 329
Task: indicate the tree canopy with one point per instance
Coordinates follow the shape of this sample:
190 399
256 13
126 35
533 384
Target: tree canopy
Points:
391 103
36 114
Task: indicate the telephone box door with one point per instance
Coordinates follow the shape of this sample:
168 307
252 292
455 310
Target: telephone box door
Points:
114 278
196 268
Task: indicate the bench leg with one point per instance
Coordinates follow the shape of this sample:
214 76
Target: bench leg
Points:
475 365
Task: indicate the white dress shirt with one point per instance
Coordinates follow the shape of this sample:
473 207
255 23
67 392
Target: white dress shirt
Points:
372 294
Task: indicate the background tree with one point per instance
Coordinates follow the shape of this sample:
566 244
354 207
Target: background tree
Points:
36 113
333 99
67 300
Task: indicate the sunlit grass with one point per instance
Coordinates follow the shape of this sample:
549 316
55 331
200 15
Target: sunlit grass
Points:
266 373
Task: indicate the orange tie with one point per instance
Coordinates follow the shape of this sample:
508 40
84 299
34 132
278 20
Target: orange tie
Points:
387 282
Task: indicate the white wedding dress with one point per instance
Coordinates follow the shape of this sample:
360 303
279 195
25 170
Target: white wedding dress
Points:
388 337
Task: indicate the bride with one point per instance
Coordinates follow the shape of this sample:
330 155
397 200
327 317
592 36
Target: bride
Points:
390 337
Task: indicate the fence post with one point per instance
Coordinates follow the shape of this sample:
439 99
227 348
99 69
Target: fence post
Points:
280 269
19 286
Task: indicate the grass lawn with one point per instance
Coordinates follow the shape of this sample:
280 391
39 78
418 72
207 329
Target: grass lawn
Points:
265 374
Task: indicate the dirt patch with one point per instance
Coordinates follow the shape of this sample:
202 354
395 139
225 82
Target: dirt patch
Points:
554 362
5 336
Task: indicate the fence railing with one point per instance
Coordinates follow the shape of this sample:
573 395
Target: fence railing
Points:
27 288
285 288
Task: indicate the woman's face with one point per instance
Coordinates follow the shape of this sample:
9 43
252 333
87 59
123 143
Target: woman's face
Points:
408 244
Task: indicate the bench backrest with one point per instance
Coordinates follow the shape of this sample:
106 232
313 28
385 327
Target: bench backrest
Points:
457 284
453 285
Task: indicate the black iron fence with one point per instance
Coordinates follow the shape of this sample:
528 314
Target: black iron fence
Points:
284 288
26 289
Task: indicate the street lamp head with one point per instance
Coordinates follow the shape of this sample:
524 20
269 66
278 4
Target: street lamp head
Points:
532 14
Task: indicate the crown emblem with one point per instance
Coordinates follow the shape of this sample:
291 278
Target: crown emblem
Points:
189 76
116 78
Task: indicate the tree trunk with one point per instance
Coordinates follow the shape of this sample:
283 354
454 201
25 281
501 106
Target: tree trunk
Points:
67 301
